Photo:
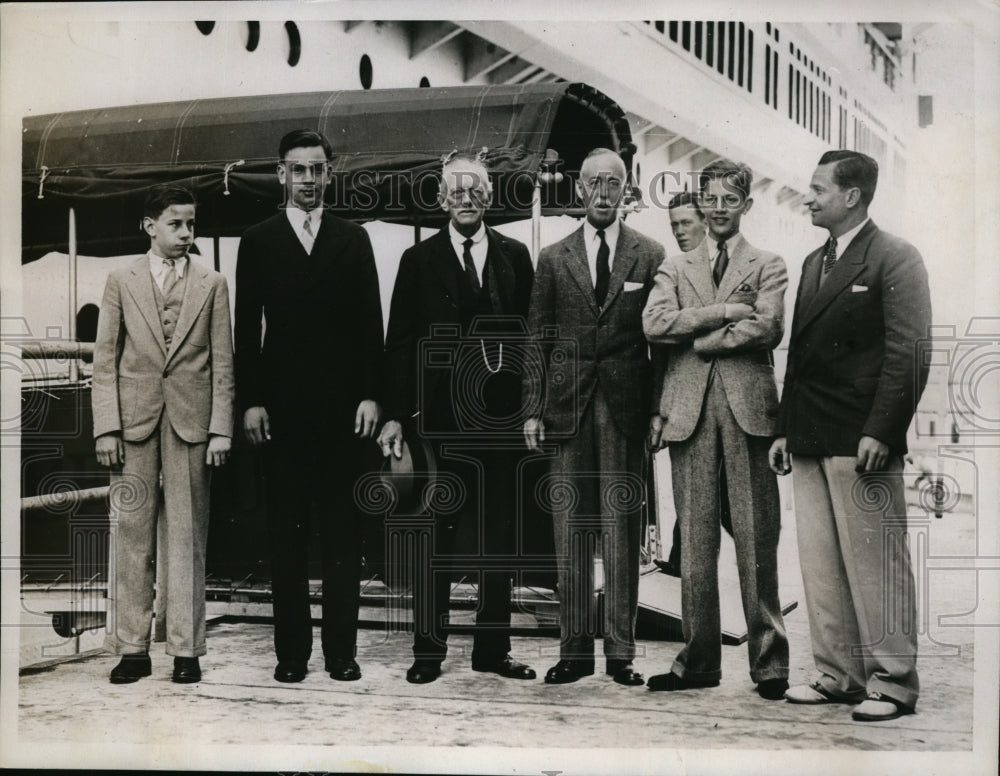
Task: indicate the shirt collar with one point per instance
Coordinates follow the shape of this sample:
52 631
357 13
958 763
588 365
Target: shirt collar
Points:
610 232
156 265
458 239
732 243
297 217
844 241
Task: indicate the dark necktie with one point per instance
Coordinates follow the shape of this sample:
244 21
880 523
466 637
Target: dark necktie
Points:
721 262
830 257
470 267
170 278
603 270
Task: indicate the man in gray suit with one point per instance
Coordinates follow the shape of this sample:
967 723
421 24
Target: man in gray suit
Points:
721 309
596 387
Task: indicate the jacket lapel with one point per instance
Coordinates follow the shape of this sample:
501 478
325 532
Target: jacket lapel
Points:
808 285
195 293
574 252
847 268
740 265
625 259
443 258
140 286
699 273
501 275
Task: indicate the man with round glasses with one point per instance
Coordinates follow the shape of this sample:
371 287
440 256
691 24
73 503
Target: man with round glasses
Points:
308 392
456 326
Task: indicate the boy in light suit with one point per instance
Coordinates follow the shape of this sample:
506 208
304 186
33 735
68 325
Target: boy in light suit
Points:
162 403
720 307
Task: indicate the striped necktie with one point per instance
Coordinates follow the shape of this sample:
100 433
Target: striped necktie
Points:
309 239
169 279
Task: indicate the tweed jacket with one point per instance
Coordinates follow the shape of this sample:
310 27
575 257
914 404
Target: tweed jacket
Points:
687 312
581 346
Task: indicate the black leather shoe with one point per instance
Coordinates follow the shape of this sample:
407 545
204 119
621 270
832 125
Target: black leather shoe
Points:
131 668
672 682
344 669
566 671
507 667
624 672
290 671
187 670
772 689
423 671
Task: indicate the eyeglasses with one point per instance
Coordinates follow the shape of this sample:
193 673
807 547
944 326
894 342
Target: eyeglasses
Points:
477 195
729 201
299 170
610 184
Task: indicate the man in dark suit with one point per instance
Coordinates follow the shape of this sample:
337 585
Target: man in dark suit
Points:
456 324
851 387
596 381
308 393
721 308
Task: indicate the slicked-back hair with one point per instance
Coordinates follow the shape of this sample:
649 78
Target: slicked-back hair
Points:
685 198
304 138
736 175
162 196
853 169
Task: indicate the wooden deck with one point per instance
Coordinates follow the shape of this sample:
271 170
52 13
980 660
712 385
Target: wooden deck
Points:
237 717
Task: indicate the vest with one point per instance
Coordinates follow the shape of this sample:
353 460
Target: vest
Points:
169 307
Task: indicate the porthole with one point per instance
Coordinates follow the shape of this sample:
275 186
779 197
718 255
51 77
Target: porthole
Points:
294 43
253 35
365 71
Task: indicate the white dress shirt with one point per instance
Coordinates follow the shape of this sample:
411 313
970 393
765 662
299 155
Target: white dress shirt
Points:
159 269
713 247
844 241
593 243
297 218
479 248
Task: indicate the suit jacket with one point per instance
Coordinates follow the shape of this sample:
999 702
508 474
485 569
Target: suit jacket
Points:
322 343
136 379
581 345
853 366
424 316
687 312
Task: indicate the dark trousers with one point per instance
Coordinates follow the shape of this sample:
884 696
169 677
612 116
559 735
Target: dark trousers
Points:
478 486
596 494
303 481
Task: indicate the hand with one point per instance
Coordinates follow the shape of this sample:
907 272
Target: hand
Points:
534 433
778 458
873 455
257 425
655 440
218 450
366 419
110 449
738 312
390 440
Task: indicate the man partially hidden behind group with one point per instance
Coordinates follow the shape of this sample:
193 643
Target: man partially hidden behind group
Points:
462 293
308 392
